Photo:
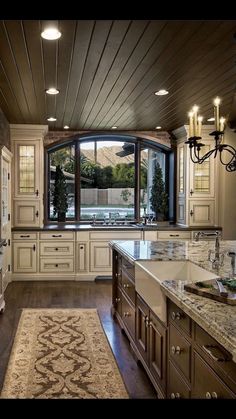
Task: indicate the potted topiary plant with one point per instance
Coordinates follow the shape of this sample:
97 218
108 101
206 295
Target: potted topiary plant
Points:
159 198
60 194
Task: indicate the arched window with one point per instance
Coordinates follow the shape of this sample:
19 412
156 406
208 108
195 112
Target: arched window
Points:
109 177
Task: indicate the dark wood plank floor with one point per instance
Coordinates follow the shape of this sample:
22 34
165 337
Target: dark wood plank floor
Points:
72 294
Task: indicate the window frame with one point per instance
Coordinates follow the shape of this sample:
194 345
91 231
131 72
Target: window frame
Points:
139 144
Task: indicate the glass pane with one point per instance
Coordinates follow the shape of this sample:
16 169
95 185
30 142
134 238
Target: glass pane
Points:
107 181
65 158
202 173
152 181
181 170
26 169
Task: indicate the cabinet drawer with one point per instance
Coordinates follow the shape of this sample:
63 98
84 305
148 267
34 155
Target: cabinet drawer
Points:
24 236
59 235
56 248
115 235
180 350
176 386
128 286
54 265
128 315
128 268
178 317
206 384
174 235
216 356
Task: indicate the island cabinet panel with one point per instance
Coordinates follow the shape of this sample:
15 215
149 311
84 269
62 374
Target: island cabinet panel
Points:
151 343
181 359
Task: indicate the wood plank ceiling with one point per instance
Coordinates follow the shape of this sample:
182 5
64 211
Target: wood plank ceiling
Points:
107 72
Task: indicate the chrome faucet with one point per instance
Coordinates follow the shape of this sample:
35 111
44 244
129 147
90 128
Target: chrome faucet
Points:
232 255
94 219
218 258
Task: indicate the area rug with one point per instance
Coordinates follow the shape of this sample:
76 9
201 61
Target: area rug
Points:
62 354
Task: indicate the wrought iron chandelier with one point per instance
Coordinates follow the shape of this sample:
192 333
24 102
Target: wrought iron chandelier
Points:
227 153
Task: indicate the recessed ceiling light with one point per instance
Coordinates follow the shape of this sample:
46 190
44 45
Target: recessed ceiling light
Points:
51 119
162 92
158 127
211 119
113 127
51 34
52 91
66 127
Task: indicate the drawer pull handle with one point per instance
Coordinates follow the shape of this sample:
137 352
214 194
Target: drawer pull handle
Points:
212 395
127 314
176 316
175 396
176 350
117 300
209 348
37 214
37 192
56 235
34 247
174 235
26 236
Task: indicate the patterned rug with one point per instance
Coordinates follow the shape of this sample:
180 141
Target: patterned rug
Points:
62 354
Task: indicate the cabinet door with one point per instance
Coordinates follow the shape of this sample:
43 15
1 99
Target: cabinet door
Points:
157 352
142 320
201 213
100 257
24 257
202 183
82 257
27 156
26 214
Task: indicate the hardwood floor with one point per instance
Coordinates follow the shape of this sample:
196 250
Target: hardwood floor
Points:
72 294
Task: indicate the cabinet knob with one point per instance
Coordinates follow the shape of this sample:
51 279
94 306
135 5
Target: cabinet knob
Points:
176 350
56 248
56 265
191 213
176 316
117 300
37 213
175 396
191 192
37 192
81 247
126 314
34 247
212 395
126 286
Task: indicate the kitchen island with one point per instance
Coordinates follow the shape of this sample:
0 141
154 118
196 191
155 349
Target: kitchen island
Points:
191 320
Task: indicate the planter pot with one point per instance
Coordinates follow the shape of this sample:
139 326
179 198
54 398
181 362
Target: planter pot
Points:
61 218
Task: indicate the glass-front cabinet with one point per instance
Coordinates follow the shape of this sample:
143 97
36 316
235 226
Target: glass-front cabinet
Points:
28 175
196 183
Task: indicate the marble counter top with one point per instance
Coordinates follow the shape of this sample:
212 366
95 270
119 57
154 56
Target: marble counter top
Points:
218 319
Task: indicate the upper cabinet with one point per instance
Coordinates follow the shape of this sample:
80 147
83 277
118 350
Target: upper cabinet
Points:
197 184
28 174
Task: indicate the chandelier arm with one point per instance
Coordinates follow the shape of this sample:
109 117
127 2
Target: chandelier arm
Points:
206 156
191 155
232 158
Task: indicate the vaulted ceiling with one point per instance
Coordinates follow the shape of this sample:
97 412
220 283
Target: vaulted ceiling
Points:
107 72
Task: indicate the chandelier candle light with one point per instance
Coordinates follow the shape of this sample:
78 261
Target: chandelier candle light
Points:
195 131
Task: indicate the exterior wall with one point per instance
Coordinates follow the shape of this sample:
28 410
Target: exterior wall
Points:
227 193
4 130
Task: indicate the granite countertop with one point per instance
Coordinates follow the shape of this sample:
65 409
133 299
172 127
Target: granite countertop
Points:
218 319
84 227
